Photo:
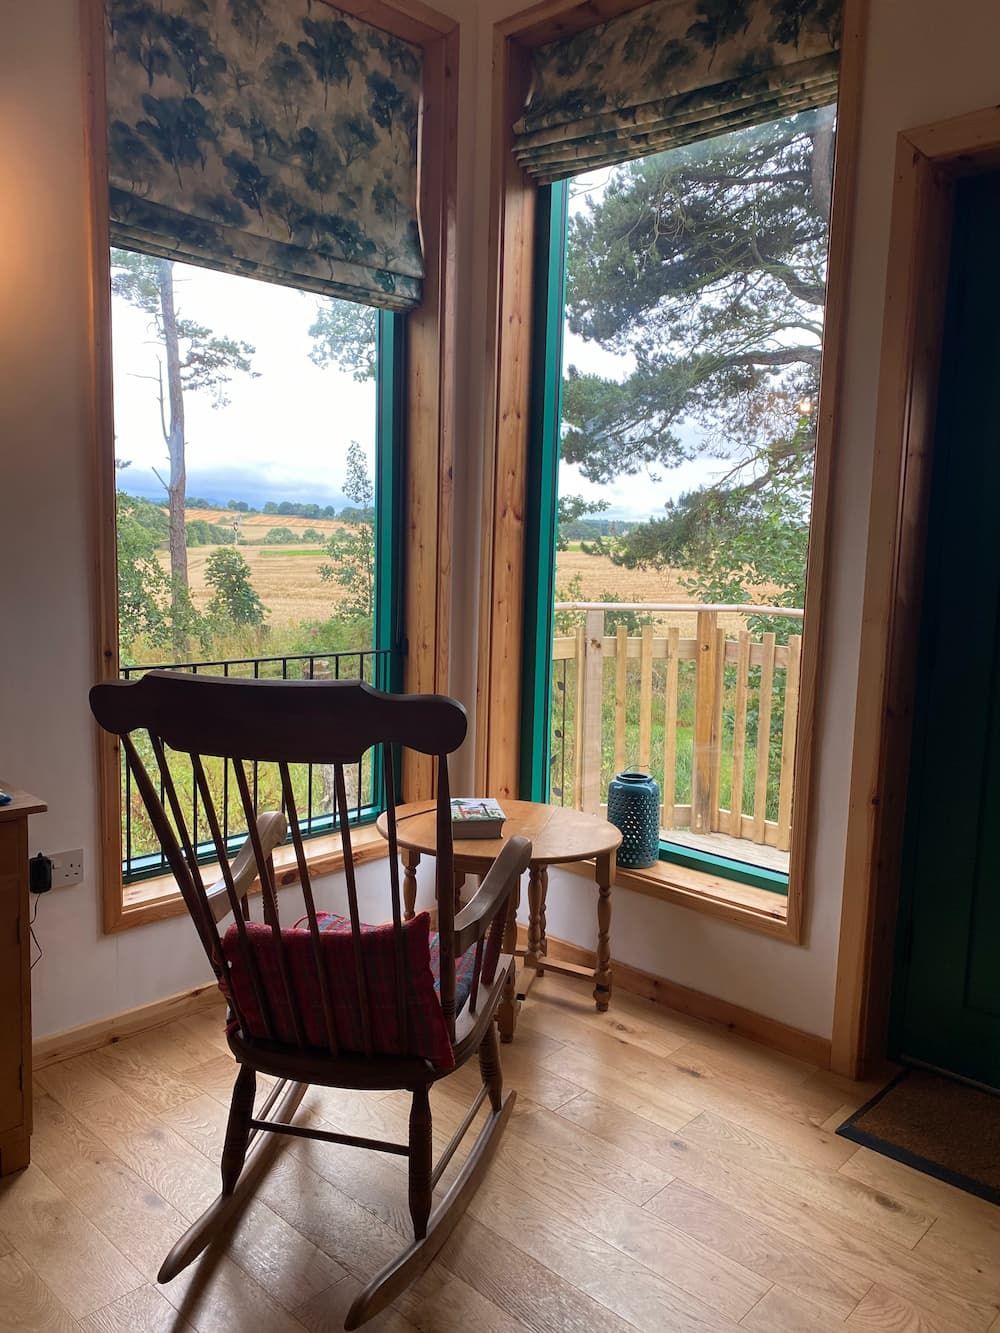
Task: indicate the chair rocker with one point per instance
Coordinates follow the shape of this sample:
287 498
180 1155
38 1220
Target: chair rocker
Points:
328 1001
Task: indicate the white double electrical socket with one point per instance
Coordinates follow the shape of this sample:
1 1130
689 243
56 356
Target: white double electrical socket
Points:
67 868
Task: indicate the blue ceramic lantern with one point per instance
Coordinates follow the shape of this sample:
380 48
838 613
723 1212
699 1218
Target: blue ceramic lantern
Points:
634 807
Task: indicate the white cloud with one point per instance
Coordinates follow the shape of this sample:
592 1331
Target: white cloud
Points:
288 430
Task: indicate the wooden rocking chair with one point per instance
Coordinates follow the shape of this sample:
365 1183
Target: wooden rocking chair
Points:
329 1001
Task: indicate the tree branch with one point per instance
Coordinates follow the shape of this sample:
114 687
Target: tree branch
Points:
779 356
163 415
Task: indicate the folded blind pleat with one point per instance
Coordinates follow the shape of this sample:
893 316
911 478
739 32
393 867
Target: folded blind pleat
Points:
670 73
273 138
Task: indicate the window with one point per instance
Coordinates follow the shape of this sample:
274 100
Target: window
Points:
414 391
679 303
257 466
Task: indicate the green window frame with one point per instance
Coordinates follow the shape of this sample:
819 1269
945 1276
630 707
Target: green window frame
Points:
540 513
389 646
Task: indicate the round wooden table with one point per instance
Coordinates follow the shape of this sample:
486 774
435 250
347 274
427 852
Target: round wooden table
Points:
557 837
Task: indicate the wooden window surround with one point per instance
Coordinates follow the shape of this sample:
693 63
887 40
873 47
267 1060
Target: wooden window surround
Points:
429 415
513 207
928 161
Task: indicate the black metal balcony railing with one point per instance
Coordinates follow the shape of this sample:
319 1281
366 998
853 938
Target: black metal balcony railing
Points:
142 858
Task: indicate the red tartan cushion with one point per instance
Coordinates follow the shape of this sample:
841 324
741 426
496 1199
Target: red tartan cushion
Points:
464 966
428 1034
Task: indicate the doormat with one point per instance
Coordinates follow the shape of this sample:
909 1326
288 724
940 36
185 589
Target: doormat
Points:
936 1125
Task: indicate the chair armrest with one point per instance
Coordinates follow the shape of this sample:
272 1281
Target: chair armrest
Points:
474 919
271 829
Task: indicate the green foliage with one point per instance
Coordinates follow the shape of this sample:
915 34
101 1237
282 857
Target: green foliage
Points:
206 360
342 633
572 508
151 517
187 625
143 585
739 538
311 535
352 553
590 532
233 599
154 612
295 509
566 622
357 514
632 620
199 532
280 537
707 266
344 336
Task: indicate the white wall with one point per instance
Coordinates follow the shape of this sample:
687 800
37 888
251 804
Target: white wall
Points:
46 571
926 61
46 592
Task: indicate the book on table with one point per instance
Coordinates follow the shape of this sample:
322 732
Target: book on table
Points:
476 817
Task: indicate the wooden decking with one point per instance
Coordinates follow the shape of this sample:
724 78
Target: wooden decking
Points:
739 849
659 1174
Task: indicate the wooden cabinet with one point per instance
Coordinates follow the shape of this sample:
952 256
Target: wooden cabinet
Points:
15 981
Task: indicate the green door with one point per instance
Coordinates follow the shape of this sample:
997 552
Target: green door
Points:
947 984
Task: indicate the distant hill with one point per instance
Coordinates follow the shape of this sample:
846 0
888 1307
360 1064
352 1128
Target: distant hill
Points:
216 489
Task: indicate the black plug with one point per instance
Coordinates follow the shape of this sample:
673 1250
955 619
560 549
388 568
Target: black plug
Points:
39 874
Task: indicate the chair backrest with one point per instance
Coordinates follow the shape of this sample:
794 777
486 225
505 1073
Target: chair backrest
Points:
199 730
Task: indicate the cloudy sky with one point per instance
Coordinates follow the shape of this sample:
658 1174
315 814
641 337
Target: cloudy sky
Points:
284 435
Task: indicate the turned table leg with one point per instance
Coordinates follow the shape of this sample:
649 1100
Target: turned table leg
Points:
605 870
543 942
410 861
507 1009
538 884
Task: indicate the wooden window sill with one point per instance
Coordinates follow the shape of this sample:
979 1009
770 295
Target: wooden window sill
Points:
156 899
739 904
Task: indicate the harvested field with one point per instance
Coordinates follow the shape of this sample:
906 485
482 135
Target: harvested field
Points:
253 527
598 576
286 579
288 582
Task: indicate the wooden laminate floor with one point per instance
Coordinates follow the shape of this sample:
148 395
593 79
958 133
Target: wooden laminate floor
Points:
658 1174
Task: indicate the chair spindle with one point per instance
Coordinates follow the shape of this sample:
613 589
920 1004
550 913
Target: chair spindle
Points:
445 890
269 895
288 800
237 905
402 968
361 979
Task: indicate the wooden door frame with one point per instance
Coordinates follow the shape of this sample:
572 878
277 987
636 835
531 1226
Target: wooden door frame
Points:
501 598
928 161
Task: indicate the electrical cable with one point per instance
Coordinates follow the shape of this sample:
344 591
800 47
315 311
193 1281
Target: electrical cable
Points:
34 937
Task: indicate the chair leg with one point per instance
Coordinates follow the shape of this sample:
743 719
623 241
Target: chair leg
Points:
258 1158
421 1161
238 1129
490 1067
400 1272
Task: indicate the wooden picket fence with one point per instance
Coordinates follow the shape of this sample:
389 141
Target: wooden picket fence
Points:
720 705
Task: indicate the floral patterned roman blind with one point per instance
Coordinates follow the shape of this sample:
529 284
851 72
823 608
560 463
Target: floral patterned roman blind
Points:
672 72
274 138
